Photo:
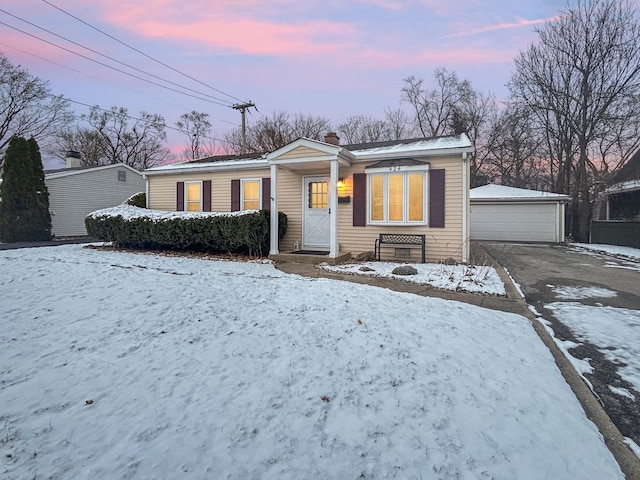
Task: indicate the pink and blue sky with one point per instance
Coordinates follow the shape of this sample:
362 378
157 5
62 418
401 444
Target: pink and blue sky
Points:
331 58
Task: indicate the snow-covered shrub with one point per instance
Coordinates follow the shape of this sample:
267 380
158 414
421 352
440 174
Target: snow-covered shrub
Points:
234 232
137 200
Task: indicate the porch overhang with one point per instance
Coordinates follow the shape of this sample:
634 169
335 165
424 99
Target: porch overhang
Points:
316 164
306 156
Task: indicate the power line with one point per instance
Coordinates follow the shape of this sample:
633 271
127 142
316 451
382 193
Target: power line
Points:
139 51
110 66
112 59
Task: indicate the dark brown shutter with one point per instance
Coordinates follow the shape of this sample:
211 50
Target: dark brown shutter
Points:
179 196
359 199
436 198
266 194
235 195
206 195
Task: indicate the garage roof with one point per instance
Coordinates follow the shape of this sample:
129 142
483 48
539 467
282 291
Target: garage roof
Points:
501 192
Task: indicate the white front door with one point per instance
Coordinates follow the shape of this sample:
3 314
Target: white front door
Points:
316 227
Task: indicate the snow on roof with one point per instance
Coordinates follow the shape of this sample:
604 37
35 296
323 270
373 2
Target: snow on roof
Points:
623 187
64 172
362 151
501 192
219 164
439 143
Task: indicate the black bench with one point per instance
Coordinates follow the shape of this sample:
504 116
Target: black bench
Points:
399 239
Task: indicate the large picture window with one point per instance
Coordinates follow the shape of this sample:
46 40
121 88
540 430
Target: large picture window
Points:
397 197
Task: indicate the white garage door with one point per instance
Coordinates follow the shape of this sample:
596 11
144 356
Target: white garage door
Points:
515 222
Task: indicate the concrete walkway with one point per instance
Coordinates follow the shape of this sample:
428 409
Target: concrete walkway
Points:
46 243
512 303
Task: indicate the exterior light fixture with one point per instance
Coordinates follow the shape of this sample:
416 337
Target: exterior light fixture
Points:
340 182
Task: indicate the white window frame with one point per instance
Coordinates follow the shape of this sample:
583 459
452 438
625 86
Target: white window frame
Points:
186 195
396 170
242 182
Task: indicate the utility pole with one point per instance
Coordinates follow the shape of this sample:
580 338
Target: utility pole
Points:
243 108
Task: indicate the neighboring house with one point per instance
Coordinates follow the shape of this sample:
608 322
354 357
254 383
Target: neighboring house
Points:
337 198
516 214
617 211
77 191
621 201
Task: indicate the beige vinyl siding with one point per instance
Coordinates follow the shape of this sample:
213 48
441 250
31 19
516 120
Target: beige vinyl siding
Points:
162 188
290 202
72 197
441 243
300 152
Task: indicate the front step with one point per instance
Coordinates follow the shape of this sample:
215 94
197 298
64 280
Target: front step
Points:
309 258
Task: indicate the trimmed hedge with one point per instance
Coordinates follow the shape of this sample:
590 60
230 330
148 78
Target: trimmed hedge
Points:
133 227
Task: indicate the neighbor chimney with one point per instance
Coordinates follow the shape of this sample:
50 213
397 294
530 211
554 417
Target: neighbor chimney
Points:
332 138
72 159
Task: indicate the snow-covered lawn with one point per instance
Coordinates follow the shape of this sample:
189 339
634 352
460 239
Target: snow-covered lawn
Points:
467 278
616 250
120 365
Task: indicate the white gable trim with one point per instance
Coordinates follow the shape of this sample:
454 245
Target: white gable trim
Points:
322 147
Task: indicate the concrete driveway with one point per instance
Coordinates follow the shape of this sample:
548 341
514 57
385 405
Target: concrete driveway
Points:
542 271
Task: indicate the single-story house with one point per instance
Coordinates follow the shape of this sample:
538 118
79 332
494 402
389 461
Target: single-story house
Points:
516 214
74 192
337 198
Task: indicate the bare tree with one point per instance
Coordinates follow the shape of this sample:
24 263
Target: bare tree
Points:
196 127
451 107
400 124
364 129
434 109
583 82
279 129
88 142
514 149
137 142
27 107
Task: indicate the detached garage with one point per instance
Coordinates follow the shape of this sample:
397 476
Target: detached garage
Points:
516 215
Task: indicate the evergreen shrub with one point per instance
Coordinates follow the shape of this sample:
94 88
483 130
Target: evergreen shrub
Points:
24 198
137 200
133 227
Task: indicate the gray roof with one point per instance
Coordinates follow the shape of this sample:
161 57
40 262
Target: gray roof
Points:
630 170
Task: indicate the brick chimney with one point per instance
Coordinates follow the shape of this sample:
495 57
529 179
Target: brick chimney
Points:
332 138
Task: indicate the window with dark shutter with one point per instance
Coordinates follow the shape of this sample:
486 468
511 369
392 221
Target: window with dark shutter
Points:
206 195
180 196
235 195
359 199
266 194
436 198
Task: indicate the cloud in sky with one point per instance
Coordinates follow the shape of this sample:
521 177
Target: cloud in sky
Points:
501 26
333 58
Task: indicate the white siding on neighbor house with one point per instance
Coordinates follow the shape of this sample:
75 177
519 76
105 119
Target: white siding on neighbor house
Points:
74 195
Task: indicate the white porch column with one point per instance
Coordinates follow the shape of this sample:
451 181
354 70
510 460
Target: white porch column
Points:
273 240
333 210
